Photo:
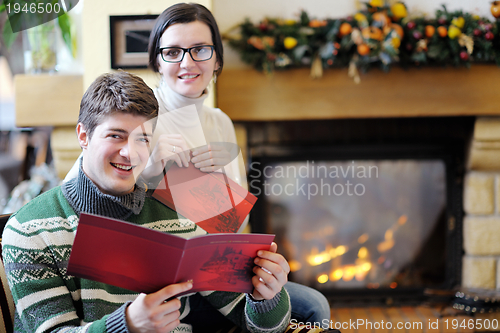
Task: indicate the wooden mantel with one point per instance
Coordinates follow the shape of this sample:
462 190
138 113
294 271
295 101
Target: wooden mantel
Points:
247 95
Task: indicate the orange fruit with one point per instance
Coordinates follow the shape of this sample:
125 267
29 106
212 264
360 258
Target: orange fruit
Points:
372 33
429 31
363 49
442 31
345 29
317 23
495 9
382 18
399 29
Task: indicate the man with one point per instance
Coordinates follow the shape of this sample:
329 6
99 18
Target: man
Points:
116 122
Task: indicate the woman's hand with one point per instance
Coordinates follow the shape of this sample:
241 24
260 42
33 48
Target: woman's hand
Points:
271 273
168 147
152 313
211 157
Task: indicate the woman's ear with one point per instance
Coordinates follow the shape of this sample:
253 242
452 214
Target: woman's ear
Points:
82 135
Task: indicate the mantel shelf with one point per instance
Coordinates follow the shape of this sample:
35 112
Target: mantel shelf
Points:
247 95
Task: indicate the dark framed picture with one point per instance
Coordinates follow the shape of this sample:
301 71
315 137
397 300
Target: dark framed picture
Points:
129 40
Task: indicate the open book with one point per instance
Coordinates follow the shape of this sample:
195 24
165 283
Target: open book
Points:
145 260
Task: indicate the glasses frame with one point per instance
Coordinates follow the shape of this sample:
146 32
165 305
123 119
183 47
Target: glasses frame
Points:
188 50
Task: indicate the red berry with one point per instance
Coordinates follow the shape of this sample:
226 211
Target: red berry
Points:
464 55
417 34
263 27
442 21
477 32
411 25
489 35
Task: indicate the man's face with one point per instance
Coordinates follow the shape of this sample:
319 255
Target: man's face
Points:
117 150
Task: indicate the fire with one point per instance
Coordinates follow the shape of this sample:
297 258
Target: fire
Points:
385 245
363 253
294 265
388 243
362 265
316 259
363 238
323 278
337 274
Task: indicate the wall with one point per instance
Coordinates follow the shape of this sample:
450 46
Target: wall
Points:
481 264
231 12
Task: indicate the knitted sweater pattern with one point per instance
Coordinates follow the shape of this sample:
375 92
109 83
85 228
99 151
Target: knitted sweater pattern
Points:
36 245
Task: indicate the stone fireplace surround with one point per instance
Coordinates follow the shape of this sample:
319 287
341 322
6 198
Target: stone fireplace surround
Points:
244 94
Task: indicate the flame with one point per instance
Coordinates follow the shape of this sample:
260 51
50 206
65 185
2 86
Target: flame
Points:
323 278
316 259
389 234
402 219
349 272
385 246
363 238
294 265
363 253
337 274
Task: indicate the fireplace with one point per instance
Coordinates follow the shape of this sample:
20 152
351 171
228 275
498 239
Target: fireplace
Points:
367 210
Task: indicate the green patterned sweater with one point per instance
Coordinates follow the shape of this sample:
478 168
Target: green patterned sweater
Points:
36 245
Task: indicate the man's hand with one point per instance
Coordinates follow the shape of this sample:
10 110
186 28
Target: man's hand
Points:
152 313
271 273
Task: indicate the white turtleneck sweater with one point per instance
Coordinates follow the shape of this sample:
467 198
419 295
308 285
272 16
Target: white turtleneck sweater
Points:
197 123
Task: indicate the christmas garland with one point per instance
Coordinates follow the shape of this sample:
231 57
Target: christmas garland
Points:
379 36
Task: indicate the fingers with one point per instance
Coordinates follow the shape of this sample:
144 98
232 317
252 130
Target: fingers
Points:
210 157
171 147
152 313
170 291
271 273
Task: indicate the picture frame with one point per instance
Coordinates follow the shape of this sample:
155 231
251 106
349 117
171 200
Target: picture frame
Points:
129 37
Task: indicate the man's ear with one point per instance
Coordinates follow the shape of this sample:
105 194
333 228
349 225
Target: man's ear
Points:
82 135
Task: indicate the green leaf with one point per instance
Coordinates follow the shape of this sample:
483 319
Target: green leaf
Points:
65 25
8 36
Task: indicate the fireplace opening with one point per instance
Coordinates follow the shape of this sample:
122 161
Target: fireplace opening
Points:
368 219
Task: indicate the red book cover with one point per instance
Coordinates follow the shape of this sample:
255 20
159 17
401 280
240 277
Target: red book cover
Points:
145 260
212 200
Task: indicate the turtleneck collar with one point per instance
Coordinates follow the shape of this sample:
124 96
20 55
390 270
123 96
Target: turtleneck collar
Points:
170 100
84 196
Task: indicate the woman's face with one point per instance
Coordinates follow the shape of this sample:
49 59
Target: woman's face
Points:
188 77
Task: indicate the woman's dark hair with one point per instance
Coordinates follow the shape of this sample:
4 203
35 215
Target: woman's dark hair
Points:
184 13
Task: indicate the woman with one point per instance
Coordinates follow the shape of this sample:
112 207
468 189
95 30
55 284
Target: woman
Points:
185 48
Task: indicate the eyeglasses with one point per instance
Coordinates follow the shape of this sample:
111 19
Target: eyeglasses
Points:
176 54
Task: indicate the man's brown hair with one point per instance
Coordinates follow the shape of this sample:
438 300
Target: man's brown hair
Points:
116 92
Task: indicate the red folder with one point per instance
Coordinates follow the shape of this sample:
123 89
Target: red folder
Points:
145 260
212 200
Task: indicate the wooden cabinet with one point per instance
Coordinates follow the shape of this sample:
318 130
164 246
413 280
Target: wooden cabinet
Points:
51 100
